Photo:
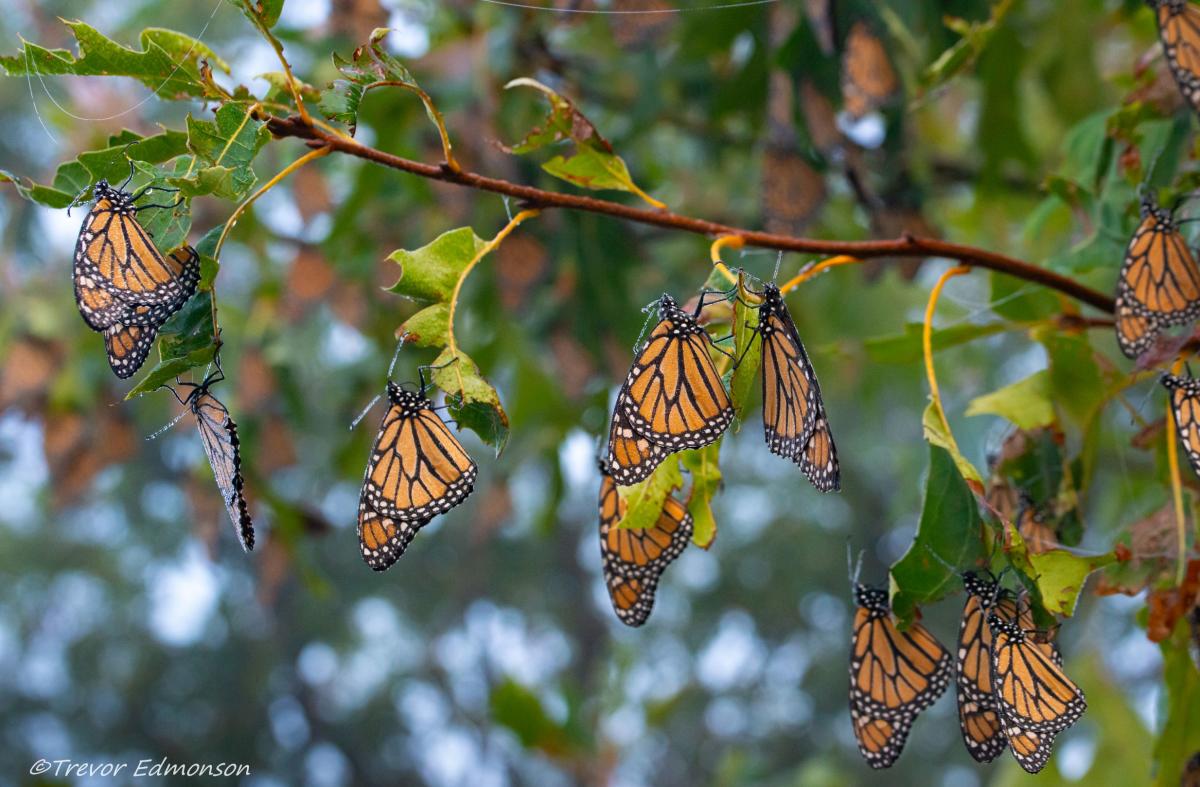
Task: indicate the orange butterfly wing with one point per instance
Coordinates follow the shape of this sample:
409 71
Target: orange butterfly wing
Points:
634 560
673 395
894 675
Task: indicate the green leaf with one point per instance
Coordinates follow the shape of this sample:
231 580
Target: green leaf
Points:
267 11
169 63
227 145
519 709
644 501
186 342
1026 403
747 350
1060 576
705 468
430 273
472 400
906 347
1077 385
371 67
428 327
1021 301
935 434
1180 736
949 540
111 163
593 164
962 54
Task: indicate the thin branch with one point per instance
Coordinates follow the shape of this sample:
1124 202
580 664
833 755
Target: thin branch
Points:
904 246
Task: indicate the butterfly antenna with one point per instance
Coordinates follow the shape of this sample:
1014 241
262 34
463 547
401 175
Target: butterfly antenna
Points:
125 153
172 422
396 354
364 412
853 567
778 263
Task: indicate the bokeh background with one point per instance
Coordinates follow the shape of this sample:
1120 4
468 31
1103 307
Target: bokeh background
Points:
132 626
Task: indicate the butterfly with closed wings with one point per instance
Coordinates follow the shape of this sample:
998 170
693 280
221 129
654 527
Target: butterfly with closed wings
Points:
635 559
417 470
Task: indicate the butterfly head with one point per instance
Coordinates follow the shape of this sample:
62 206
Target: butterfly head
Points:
1174 382
872 599
117 198
1010 628
410 402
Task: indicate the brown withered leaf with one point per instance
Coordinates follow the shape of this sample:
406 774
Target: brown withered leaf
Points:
208 514
572 364
521 263
494 509
78 446
28 371
868 79
820 118
820 16
1167 606
635 31
310 277
349 302
255 382
355 19
792 191
275 449
311 192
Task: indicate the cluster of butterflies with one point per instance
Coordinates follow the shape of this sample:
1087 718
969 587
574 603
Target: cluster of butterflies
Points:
674 399
126 289
1011 687
1159 287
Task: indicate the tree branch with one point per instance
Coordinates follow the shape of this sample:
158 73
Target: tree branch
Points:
905 246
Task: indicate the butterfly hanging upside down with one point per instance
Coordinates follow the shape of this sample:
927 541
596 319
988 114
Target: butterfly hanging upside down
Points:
218 435
124 287
417 470
635 559
1159 282
894 675
672 399
794 420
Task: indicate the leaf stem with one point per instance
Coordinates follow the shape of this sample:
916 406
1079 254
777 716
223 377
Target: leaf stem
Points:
484 250
725 242
893 249
270 184
813 270
927 343
1176 485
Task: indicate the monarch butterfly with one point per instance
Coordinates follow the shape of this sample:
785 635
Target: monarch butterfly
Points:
868 78
417 470
1159 283
894 675
218 435
631 457
1179 31
129 325
1185 405
115 254
978 717
794 420
634 560
1035 698
1038 536
673 395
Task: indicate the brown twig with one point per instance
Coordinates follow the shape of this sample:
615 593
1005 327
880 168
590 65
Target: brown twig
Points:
905 246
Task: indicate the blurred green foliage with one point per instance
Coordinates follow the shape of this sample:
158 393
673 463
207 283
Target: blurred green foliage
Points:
488 654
